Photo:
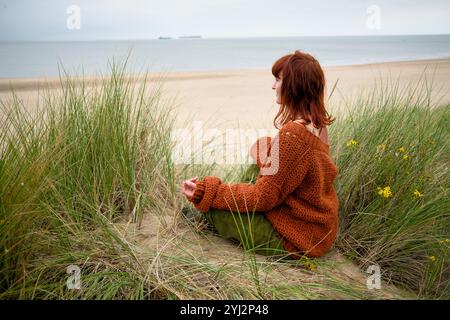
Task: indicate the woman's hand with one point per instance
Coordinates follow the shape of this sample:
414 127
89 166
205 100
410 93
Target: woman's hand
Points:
188 187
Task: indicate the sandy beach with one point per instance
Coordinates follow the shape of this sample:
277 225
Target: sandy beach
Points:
244 98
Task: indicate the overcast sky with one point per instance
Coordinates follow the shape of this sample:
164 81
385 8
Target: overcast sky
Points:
144 19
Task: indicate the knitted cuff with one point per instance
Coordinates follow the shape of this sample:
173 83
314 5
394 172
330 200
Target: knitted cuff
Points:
207 189
199 192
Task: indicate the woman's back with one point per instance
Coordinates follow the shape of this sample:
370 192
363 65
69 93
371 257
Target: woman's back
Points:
320 133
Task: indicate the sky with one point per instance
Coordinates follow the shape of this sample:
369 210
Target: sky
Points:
67 20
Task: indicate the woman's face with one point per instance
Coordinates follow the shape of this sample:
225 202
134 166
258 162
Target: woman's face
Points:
277 87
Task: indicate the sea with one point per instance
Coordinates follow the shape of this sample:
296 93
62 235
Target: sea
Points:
50 59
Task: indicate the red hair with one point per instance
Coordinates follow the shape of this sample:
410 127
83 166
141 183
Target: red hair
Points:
302 90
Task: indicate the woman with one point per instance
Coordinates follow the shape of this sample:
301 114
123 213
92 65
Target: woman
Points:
292 207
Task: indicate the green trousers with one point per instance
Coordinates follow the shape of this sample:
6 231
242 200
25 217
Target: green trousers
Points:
252 230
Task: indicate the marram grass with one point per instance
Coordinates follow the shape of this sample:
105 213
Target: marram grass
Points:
393 155
68 171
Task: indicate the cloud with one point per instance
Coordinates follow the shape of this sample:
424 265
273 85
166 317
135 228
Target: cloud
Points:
131 19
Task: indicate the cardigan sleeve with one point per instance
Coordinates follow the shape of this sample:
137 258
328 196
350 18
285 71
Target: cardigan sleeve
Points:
290 159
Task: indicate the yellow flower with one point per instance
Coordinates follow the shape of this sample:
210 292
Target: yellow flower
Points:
352 143
418 194
432 258
402 149
311 264
385 192
2 221
445 241
381 147
405 157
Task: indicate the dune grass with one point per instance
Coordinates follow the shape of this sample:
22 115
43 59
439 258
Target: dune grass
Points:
69 170
93 162
393 154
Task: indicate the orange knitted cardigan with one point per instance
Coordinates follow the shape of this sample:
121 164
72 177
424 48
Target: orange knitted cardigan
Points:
298 199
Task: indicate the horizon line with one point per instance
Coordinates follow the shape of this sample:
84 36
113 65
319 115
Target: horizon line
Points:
200 37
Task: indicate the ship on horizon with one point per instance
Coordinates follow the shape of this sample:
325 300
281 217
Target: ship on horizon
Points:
181 37
190 37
